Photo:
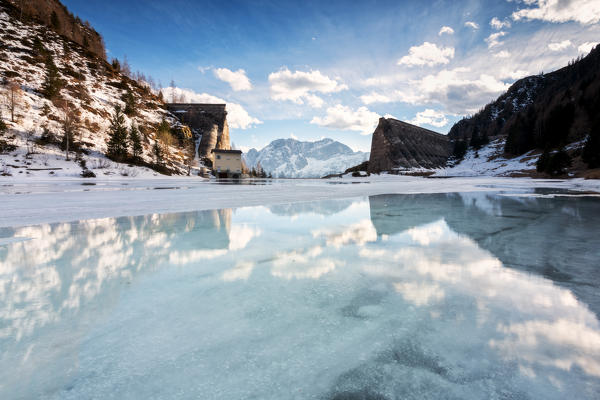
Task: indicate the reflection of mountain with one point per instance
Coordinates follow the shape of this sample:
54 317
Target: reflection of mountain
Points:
326 207
548 236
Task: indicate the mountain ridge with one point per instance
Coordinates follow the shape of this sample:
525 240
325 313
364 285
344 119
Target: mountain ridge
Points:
291 158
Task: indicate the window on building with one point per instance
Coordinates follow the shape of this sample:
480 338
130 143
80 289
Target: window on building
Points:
218 157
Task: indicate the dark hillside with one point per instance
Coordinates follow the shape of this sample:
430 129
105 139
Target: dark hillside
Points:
547 111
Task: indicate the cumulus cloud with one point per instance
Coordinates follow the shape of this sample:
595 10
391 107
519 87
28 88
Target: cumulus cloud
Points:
586 47
236 79
430 117
456 89
585 12
300 86
446 30
237 116
559 46
471 24
497 24
502 54
374 97
293 136
344 118
494 39
427 54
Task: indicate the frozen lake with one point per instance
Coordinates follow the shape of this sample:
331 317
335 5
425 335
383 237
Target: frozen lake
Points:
401 296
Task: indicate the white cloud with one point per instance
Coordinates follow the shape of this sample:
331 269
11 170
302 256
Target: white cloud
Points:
300 86
493 39
427 54
447 30
293 136
586 12
586 47
502 54
430 117
457 89
344 118
497 24
236 79
471 24
559 46
237 116
374 97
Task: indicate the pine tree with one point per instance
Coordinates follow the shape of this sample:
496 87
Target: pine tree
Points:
54 21
52 82
117 144
129 100
135 141
591 150
542 162
3 127
460 149
475 140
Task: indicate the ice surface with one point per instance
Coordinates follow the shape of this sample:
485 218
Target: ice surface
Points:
34 200
461 296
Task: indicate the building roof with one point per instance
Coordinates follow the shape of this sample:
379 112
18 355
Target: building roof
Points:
226 151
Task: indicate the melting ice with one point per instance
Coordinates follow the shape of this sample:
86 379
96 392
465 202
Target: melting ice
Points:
394 296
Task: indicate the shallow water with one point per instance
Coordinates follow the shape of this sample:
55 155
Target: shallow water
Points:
464 295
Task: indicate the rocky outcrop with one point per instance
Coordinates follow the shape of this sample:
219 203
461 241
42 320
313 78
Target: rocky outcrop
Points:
57 17
210 120
398 145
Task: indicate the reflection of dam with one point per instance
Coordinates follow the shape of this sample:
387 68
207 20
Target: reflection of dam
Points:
548 236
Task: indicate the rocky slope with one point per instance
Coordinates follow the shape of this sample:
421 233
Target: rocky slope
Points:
291 158
397 145
87 88
54 15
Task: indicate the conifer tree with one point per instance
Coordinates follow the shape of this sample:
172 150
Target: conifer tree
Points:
52 82
542 162
591 150
117 144
135 141
129 100
3 127
54 21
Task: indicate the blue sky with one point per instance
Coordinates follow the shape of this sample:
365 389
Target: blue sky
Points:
313 69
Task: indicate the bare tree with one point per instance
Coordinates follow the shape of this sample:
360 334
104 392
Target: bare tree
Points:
14 94
125 67
173 94
189 149
68 126
29 141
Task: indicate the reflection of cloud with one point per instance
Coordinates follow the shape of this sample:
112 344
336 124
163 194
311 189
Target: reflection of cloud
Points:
241 235
536 323
419 293
564 344
424 235
241 271
192 256
359 233
302 265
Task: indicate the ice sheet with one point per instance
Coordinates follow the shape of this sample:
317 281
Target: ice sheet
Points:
415 296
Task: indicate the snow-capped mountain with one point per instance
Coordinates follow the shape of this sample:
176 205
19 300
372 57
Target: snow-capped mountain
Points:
291 158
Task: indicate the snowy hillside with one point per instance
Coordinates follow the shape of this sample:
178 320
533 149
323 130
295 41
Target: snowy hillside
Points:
490 160
88 88
291 158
